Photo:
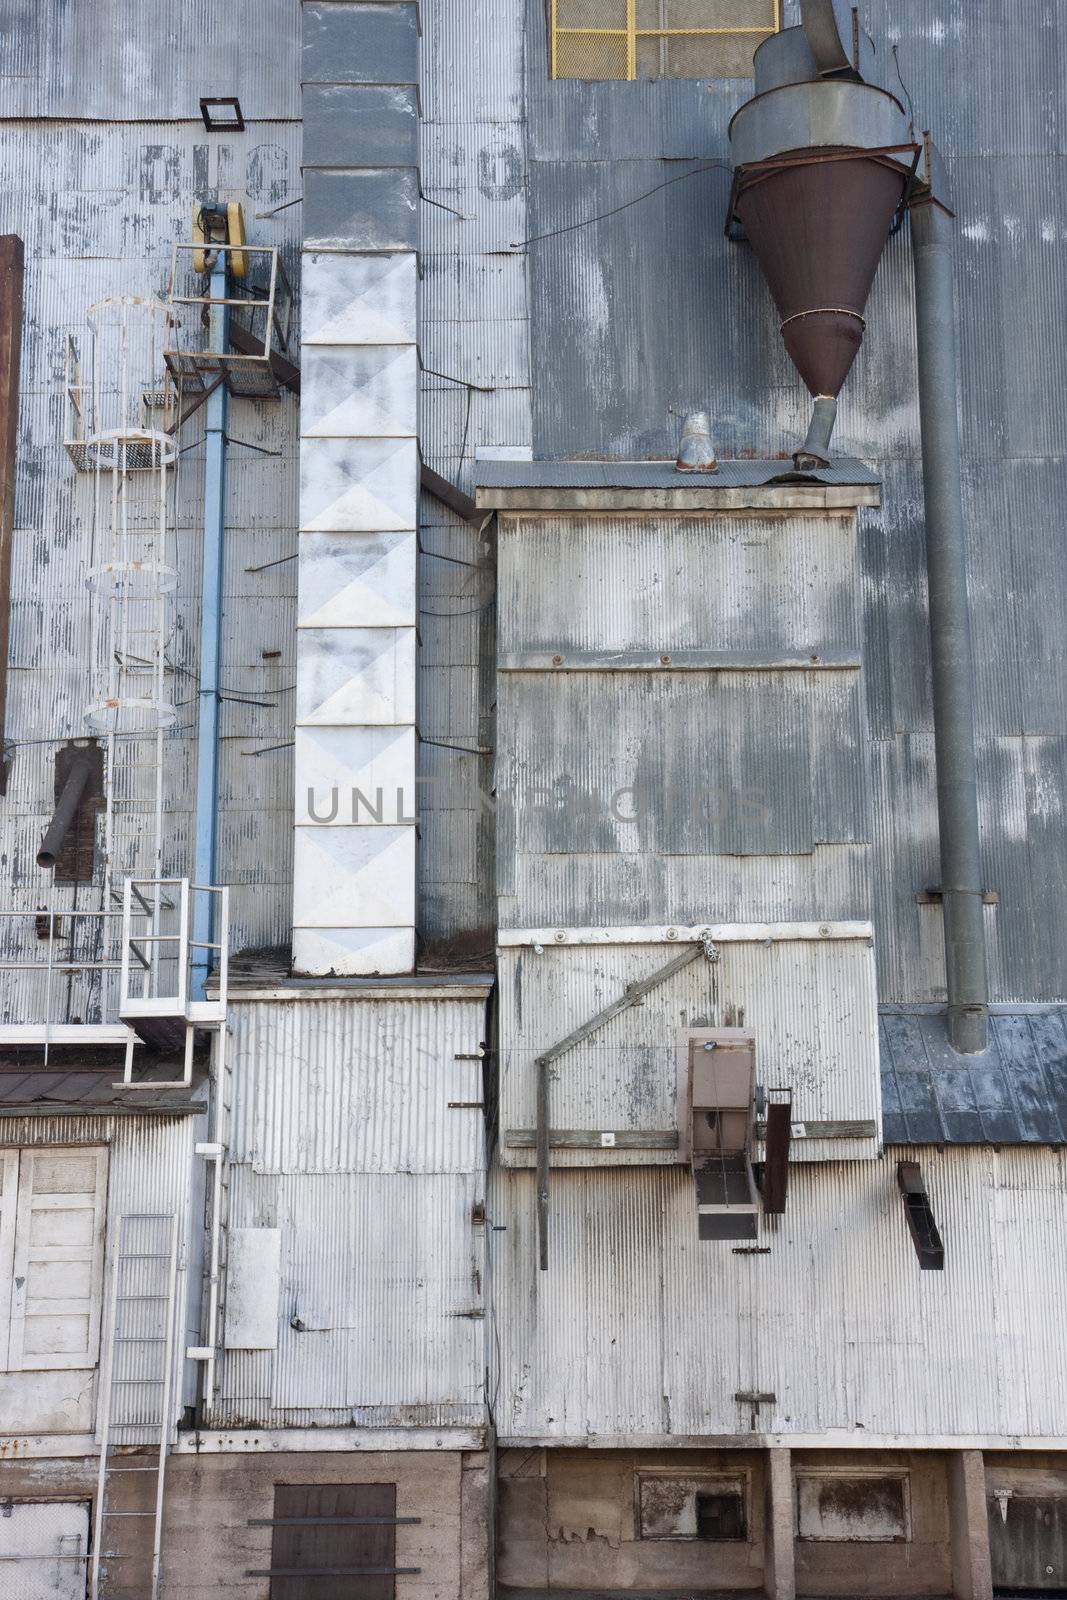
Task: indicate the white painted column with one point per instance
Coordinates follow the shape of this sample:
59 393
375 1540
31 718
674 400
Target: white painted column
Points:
354 869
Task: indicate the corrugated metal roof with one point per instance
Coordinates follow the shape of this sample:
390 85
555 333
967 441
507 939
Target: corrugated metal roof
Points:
1015 1092
40 1092
747 474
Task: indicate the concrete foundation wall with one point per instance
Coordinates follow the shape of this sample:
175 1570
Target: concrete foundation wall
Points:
918 1565
209 1547
569 1520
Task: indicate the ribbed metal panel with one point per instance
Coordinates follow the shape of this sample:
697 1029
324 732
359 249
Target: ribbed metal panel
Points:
325 1086
811 1004
150 73
382 1314
638 1329
669 583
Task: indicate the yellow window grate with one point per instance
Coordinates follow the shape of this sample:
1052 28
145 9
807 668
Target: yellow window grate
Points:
631 39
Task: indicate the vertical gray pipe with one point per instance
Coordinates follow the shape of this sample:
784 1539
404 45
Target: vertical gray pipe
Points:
951 653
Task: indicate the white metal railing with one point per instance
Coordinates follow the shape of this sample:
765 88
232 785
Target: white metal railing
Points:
70 975
159 950
60 966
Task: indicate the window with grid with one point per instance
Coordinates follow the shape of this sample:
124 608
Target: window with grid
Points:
632 39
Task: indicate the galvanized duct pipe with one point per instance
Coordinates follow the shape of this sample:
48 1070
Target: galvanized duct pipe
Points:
65 812
951 651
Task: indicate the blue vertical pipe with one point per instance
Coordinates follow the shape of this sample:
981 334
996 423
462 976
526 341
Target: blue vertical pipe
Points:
211 565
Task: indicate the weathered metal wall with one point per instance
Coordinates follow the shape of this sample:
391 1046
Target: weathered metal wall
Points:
357 1133
101 169
475 396
641 315
638 1331
639 784
811 1002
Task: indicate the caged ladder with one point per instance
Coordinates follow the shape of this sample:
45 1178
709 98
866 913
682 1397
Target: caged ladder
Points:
138 1402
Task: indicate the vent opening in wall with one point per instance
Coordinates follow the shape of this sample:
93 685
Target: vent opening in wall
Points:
721 1516
692 1506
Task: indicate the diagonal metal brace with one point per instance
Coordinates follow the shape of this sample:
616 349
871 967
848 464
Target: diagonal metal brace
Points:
632 995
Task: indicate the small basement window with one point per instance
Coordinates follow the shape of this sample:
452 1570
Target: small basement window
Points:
697 1506
853 1508
631 39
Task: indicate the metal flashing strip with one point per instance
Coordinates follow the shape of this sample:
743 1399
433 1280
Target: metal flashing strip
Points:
302 1441
595 1139
512 486
845 472
684 661
472 988
718 933
687 496
831 1439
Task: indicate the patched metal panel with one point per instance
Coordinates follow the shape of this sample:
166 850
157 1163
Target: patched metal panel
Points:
1013 1092
253 1286
325 1086
836 1322
381 1311
659 774
810 1003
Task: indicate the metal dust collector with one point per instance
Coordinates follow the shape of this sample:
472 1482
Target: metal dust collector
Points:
823 159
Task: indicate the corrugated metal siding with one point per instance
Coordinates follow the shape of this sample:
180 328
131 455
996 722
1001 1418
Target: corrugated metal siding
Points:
149 72
99 208
473 324
639 1329
671 583
616 361
343 1138
384 1273
323 1086
811 1004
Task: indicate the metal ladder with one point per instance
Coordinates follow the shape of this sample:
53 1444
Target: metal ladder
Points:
137 1384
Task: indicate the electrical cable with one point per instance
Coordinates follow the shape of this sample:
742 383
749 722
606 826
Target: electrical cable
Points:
694 172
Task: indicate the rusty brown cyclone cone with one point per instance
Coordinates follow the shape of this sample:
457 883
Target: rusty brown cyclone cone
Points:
818 227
